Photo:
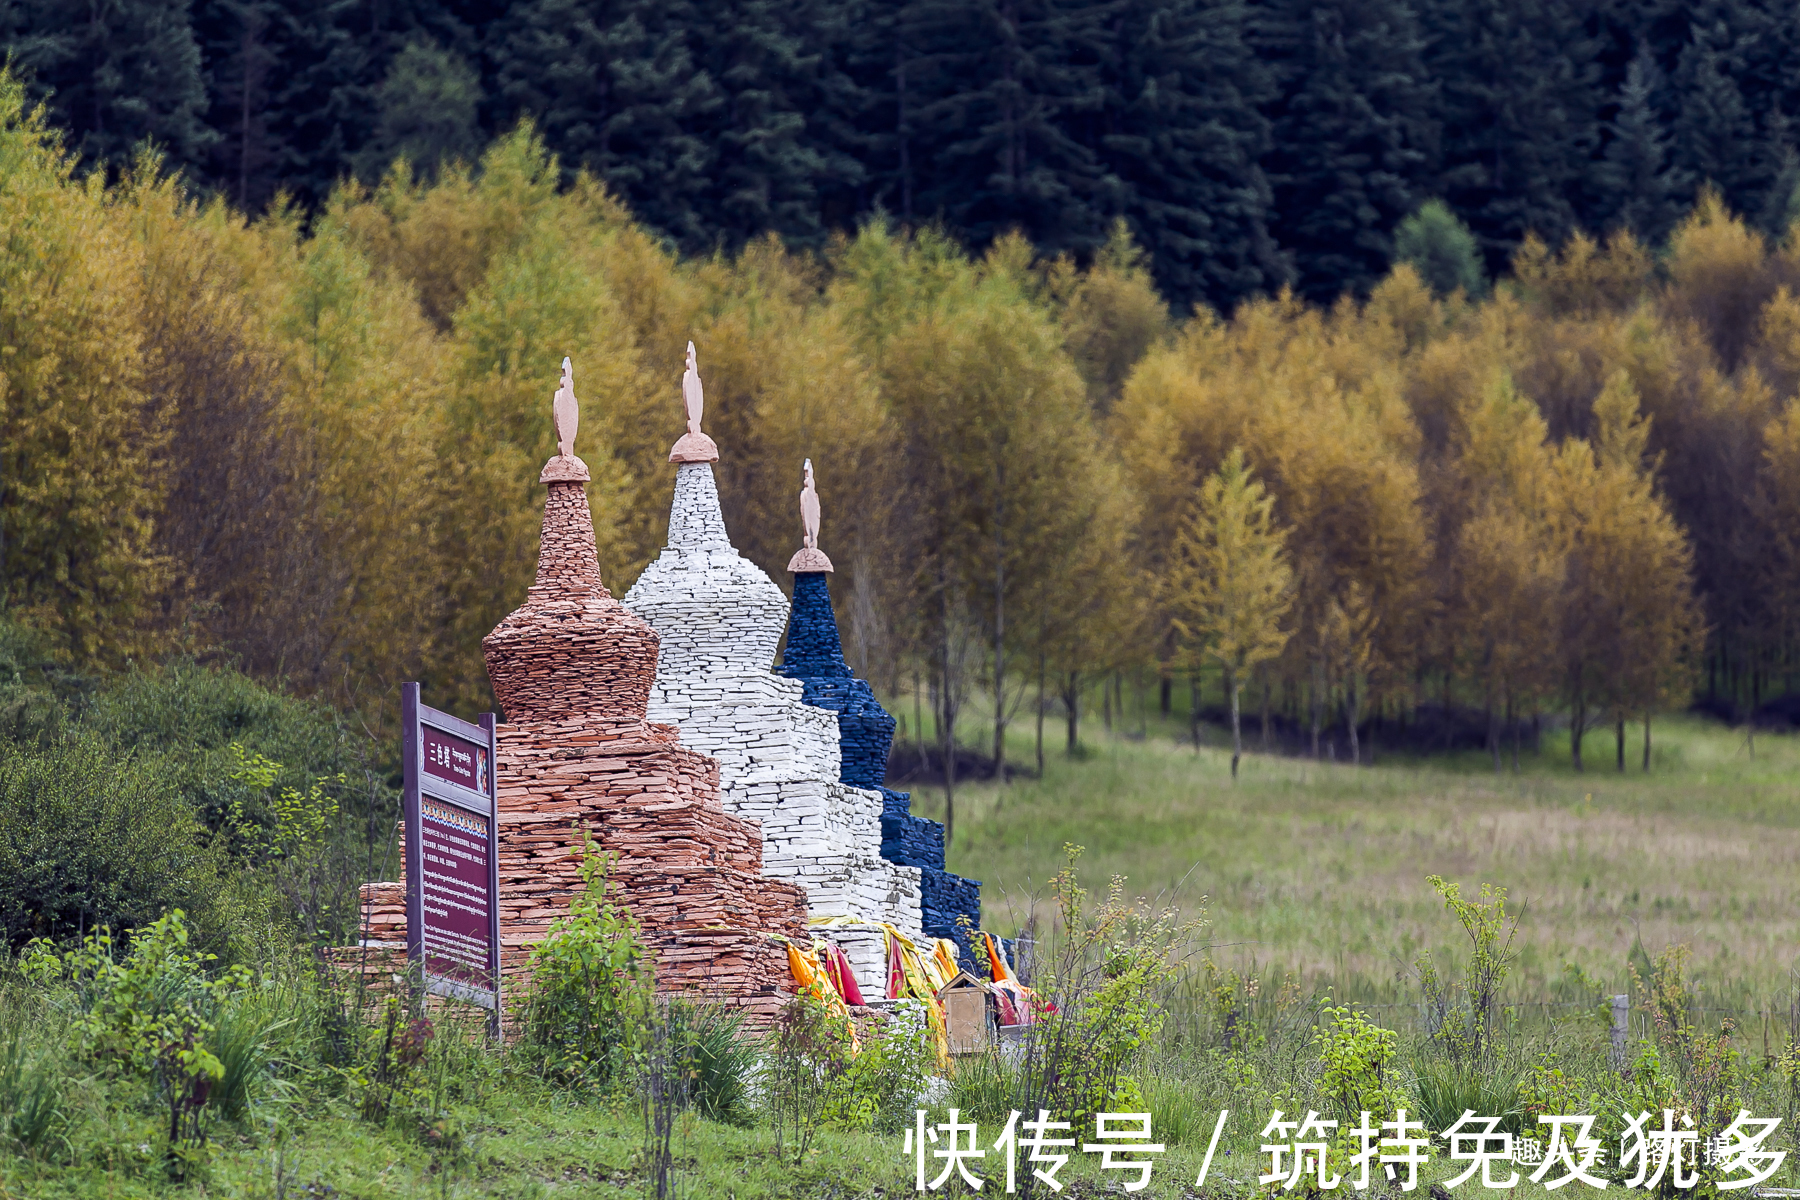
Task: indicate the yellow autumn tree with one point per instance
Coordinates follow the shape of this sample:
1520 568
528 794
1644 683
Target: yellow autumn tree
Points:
1230 584
1507 561
81 444
1630 622
1000 456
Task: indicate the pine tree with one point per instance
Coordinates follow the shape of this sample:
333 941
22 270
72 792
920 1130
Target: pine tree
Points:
1714 135
1181 138
766 59
995 89
430 105
1781 200
294 93
117 74
1441 249
851 119
1520 113
1230 583
617 89
1354 138
1643 190
236 35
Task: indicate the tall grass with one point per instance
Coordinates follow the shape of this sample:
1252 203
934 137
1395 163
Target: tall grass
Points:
1318 870
34 1087
254 1036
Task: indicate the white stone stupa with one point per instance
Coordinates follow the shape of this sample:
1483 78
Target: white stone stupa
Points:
720 619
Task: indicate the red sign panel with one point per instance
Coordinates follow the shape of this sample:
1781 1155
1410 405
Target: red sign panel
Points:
452 880
455 901
455 760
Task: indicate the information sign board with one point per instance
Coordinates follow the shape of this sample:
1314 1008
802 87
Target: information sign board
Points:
452 844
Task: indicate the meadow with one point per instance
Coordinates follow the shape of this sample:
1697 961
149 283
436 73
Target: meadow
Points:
1319 869
1311 877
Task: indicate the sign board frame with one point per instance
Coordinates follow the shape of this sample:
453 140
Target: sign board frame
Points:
449 764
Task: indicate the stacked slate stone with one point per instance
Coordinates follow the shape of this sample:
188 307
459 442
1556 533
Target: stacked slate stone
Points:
573 671
815 656
720 619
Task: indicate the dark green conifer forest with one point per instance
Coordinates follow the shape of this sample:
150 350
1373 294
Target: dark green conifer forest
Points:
1248 143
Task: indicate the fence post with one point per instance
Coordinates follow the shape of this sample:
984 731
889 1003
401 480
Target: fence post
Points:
1621 1029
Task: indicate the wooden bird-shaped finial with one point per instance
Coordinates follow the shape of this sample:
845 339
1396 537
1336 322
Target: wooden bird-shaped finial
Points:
693 446
809 558
809 509
564 413
691 393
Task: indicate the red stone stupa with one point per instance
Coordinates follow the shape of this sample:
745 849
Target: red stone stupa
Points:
572 670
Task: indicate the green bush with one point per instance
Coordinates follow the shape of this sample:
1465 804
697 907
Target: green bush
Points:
590 986
203 721
1441 248
153 1016
123 798
885 1080
809 1058
1106 982
92 836
1359 1060
35 690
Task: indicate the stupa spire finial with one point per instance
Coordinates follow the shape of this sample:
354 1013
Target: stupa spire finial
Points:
693 446
564 412
809 557
565 417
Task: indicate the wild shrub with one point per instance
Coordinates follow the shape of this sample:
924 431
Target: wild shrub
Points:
590 986
298 821
1683 1066
1461 1015
1546 1089
885 1078
150 1015
389 1079
1360 1062
809 1055
1102 1001
92 836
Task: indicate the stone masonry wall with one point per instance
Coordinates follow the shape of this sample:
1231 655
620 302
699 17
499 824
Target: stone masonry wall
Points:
721 619
814 656
573 671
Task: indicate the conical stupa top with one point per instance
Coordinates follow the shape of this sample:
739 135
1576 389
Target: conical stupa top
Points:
717 611
693 446
814 655
570 649
695 519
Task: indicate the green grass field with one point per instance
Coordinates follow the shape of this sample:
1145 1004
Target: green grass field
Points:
1304 870
1320 869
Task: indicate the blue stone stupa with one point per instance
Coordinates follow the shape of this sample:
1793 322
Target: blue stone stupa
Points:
814 656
